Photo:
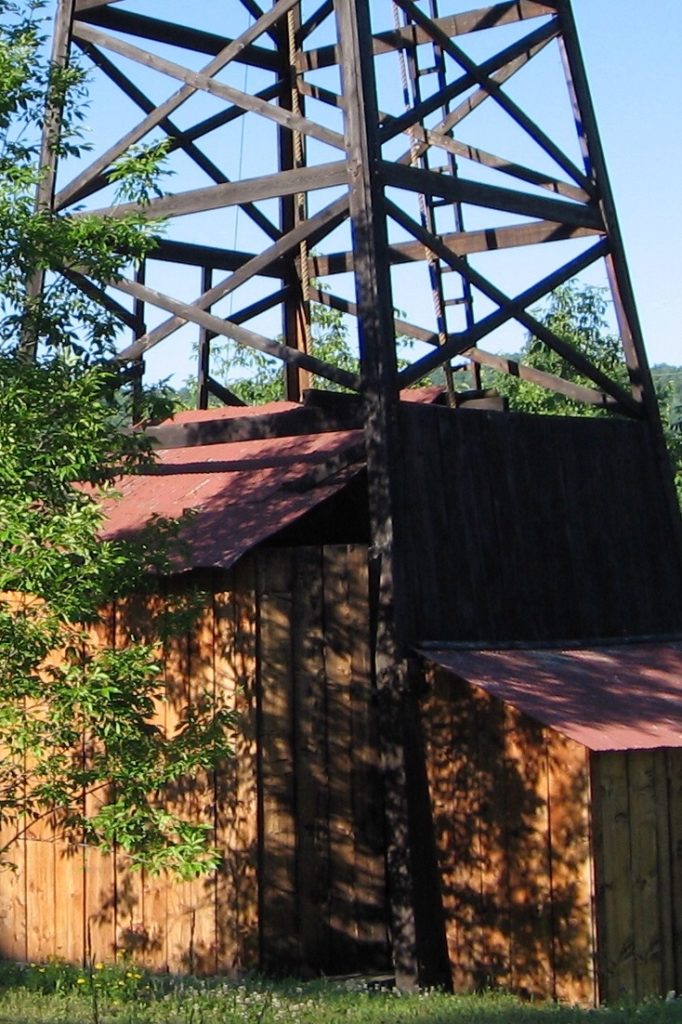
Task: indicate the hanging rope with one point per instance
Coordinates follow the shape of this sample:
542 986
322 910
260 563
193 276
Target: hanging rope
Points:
300 198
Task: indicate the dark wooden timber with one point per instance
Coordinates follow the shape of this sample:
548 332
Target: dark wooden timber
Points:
311 229
232 330
234 193
204 81
289 423
49 155
496 93
461 242
388 593
226 54
507 62
479 194
456 24
188 38
458 342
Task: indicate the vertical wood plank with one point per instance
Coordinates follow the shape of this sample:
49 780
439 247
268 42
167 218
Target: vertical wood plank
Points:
673 760
69 902
371 902
237 781
278 910
464 739
200 798
132 625
573 938
666 893
40 896
339 672
13 897
100 877
613 872
528 855
645 878
246 641
312 792
179 930
489 831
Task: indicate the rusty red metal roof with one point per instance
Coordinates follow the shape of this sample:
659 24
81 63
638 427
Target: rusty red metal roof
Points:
617 697
241 492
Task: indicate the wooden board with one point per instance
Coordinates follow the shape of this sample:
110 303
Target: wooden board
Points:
100 878
673 764
367 810
338 669
527 824
613 873
278 910
522 527
311 758
237 782
645 882
573 925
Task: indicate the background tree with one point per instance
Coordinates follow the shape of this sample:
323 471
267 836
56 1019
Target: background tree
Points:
578 314
76 717
257 378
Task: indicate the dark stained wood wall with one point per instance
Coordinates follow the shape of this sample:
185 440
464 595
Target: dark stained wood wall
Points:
535 527
298 813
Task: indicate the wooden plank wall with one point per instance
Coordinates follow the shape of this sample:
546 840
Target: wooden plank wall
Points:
284 639
536 527
510 801
637 812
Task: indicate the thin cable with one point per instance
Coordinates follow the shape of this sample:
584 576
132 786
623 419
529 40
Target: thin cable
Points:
240 167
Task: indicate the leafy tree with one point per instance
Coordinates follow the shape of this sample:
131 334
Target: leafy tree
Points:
76 717
257 378
577 314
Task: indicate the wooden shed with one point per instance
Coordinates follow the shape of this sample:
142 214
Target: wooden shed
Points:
555 787
543 783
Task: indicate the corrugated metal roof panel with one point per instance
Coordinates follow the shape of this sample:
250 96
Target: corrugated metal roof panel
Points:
616 697
241 492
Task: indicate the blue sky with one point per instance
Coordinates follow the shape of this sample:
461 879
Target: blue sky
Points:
633 53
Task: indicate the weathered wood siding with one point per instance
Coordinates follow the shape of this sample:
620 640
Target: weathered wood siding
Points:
637 814
536 527
298 813
510 801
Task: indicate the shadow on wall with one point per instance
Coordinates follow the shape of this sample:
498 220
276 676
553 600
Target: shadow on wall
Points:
511 817
283 638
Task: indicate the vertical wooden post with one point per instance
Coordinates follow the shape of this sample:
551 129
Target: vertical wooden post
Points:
204 348
140 328
61 40
380 390
296 311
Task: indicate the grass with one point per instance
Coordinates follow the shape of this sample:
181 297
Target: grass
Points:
50 993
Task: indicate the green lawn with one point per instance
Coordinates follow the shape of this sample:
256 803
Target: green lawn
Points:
126 995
